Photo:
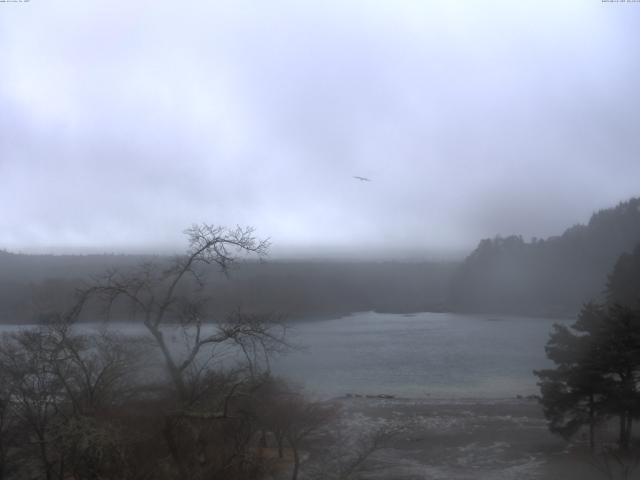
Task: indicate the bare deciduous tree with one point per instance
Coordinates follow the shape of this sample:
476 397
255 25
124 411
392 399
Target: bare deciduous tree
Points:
36 391
352 447
8 425
163 296
56 385
294 419
171 301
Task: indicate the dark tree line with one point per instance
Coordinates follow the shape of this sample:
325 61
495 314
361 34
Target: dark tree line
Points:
597 373
550 277
32 285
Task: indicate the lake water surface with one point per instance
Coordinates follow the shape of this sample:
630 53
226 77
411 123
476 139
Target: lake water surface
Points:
438 355
424 355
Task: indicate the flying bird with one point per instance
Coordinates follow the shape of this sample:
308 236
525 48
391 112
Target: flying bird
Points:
362 179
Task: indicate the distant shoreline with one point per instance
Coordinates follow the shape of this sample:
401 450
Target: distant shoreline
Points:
322 317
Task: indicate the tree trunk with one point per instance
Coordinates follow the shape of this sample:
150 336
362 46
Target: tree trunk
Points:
45 460
623 441
592 423
61 471
296 462
280 441
3 458
44 454
173 447
174 371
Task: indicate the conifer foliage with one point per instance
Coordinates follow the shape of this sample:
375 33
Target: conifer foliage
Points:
597 361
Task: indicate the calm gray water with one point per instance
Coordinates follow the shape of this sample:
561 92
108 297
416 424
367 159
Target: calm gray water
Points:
435 355
440 355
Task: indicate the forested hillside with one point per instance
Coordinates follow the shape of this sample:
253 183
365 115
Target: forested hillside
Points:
31 286
546 277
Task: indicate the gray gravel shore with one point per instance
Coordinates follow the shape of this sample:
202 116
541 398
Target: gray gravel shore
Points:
466 439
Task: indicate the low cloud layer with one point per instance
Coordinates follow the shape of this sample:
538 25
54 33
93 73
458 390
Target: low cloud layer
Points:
123 123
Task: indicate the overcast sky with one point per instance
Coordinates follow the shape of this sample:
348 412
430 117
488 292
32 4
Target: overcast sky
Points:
122 123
